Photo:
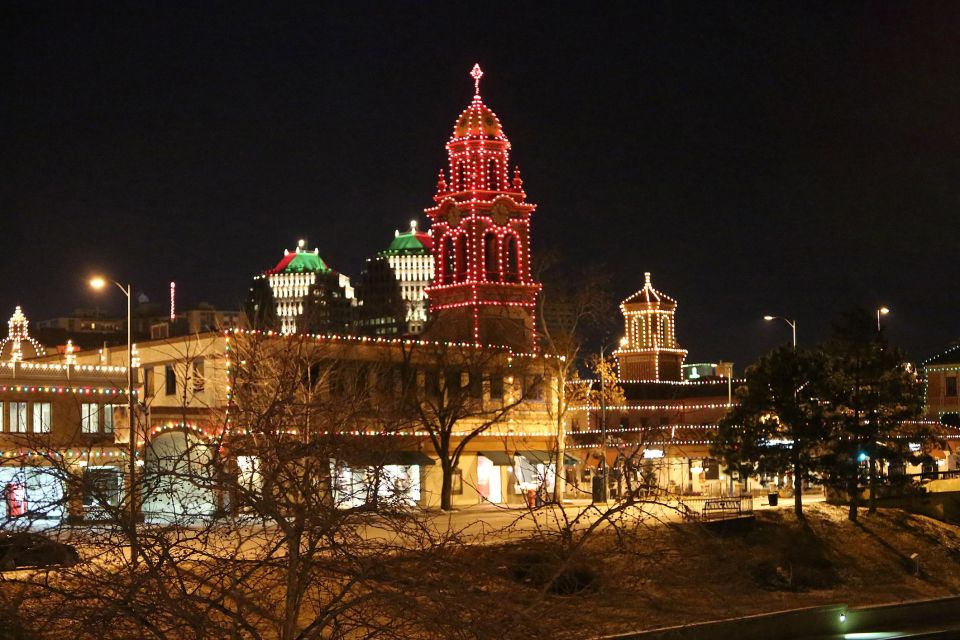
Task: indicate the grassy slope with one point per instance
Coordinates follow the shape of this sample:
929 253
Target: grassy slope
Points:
678 574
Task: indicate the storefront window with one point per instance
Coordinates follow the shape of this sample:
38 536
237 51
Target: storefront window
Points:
102 488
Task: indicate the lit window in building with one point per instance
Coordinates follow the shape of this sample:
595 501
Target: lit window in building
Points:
41 417
18 417
88 417
108 418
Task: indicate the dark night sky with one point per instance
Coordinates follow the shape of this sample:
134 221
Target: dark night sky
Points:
789 158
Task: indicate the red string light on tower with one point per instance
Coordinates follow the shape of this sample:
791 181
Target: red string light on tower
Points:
483 290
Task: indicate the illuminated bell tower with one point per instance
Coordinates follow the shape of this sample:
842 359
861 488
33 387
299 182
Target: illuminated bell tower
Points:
482 289
649 349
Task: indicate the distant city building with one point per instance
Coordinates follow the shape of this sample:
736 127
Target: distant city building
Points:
393 285
649 349
84 321
707 370
205 317
943 386
308 295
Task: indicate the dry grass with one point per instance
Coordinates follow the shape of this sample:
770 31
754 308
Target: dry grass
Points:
686 573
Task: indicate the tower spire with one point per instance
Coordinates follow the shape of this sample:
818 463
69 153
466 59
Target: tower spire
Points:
476 73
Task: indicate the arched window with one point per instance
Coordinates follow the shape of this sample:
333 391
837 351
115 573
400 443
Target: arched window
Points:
512 267
461 258
462 176
448 257
491 261
492 176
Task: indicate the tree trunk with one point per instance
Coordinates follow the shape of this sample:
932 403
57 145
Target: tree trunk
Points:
873 486
292 587
446 487
852 492
797 489
560 478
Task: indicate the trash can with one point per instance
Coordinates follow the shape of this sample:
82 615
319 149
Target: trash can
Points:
597 489
773 499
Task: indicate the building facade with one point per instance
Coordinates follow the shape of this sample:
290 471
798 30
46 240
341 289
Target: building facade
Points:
942 373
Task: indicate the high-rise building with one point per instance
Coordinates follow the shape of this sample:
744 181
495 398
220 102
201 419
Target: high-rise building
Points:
309 296
483 290
392 289
649 349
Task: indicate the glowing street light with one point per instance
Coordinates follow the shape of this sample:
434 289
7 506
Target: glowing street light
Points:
792 323
99 284
882 311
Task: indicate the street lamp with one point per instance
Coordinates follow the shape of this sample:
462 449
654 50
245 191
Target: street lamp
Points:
792 323
882 311
603 417
99 284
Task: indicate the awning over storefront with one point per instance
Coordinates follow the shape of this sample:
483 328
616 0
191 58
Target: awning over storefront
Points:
401 458
545 457
498 458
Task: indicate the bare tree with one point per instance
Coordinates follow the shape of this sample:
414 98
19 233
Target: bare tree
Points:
569 311
456 392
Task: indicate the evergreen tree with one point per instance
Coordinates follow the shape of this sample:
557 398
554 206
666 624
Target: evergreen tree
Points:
875 397
779 423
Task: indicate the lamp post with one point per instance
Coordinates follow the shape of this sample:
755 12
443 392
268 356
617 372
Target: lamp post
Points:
882 311
605 495
99 283
792 323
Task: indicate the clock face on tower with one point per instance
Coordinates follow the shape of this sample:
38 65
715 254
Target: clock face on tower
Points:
500 214
453 217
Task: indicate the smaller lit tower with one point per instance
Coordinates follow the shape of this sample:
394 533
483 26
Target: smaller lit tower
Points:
649 349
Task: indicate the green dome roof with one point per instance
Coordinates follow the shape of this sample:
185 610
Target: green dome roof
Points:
301 262
410 242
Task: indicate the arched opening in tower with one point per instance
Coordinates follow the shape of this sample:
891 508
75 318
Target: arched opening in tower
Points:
461 258
491 257
447 258
512 262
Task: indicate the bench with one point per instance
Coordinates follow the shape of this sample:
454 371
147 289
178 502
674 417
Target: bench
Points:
717 508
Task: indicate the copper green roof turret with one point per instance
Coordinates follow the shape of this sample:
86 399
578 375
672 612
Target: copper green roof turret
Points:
410 242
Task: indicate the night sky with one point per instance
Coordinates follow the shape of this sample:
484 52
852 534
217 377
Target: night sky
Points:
795 158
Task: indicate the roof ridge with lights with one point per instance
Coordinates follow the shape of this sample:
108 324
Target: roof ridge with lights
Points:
648 293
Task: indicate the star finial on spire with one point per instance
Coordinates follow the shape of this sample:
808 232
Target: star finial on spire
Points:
476 73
